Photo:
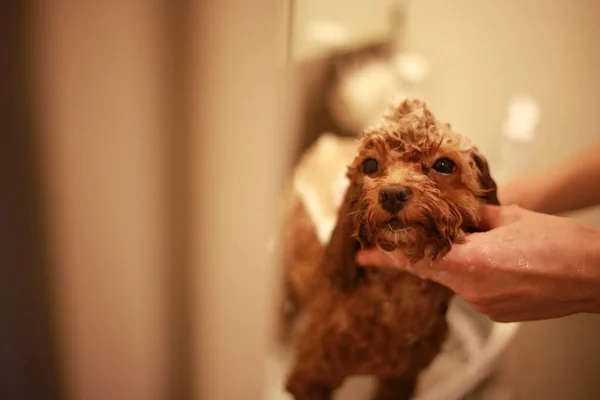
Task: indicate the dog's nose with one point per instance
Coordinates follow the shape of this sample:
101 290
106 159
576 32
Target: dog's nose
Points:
394 198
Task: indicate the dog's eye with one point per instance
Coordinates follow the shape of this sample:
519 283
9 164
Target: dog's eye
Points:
370 166
444 166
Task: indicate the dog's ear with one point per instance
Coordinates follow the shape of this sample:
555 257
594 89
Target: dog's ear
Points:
486 181
339 258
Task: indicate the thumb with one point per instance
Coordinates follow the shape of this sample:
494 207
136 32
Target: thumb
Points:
375 257
491 217
379 258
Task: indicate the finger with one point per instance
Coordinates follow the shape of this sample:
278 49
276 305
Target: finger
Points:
491 216
496 216
375 257
397 259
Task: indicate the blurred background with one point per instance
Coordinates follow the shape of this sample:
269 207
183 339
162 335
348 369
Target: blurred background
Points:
145 143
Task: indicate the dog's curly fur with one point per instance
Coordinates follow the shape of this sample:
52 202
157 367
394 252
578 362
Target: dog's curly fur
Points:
369 321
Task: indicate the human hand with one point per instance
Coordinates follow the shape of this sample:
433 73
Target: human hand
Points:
527 266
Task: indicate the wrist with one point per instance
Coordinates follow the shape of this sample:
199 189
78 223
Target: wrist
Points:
590 268
543 193
529 192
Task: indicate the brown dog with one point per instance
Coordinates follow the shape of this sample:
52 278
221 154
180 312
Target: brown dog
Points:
416 186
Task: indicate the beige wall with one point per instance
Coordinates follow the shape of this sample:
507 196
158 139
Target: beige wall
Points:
481 53
104 122
239 148
98 69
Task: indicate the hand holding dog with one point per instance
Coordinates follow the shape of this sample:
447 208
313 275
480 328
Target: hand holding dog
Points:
527 266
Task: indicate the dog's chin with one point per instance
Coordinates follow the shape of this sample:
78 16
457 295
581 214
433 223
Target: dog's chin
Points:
394 234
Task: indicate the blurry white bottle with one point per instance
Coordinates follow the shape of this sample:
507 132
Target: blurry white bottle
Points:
413 69
511 154
366 86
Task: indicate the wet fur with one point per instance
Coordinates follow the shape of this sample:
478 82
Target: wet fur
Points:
370 321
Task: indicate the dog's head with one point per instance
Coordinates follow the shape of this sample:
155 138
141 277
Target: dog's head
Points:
414 184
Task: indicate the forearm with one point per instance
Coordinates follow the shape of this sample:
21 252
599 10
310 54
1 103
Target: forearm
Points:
570 185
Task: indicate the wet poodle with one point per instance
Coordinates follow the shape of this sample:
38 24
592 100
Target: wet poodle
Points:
414 185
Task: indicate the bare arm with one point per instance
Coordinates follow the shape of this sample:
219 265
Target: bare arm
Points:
571 185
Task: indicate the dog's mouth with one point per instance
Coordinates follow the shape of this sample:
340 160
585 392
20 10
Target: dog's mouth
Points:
395 225
395 233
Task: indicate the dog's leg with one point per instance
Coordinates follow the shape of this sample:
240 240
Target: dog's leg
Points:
395 388
312 377
307 387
